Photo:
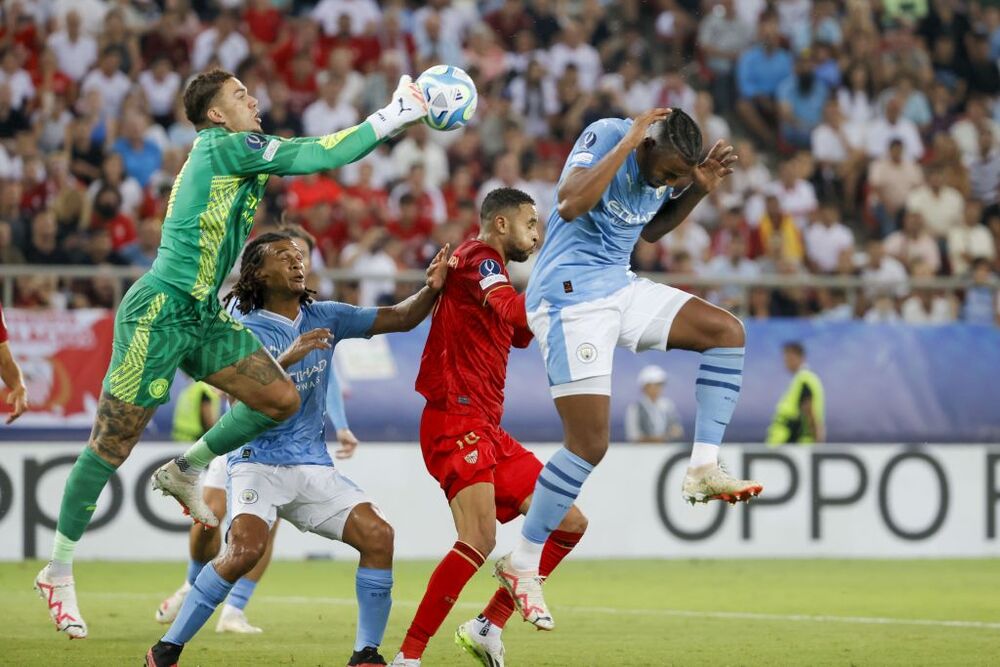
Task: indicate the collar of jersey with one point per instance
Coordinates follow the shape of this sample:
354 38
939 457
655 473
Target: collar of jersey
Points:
268 315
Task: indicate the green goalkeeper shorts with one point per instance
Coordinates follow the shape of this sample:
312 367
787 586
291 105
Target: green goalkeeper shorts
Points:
157 330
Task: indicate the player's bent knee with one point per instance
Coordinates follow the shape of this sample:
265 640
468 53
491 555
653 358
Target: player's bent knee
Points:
731 332
574 522
379 538
282 402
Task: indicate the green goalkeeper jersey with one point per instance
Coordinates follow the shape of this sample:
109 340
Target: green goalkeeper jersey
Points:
214 198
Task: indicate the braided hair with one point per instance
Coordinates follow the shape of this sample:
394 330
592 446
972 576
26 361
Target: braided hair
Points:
248 292
680 132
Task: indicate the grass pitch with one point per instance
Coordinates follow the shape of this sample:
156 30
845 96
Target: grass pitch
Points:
608 613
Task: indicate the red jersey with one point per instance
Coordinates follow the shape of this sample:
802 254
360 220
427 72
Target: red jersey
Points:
478 316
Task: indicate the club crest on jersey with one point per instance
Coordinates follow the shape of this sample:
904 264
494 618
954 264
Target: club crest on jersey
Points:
472 457
491 272
586 353
255 142
248 496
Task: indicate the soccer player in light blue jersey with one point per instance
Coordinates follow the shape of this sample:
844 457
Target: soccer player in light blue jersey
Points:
623 180
205 541
287 472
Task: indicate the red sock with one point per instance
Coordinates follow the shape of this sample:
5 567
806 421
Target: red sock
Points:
557 547
447 581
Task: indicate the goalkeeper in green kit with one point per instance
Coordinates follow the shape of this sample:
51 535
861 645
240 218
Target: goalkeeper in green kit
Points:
171 317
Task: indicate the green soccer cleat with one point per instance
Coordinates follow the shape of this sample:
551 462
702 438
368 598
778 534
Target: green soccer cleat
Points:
487 650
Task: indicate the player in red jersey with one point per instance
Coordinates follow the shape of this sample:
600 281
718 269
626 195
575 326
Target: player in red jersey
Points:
486 475
11 375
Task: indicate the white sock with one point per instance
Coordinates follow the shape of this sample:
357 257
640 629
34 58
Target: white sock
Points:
60 569
526 555
186 587
703 454
228 610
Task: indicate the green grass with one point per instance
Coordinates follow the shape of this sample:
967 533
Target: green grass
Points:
608 613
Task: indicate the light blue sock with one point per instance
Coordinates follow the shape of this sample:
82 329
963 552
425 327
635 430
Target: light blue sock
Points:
720 377
208 592
194 569
556 489
374 591
240 595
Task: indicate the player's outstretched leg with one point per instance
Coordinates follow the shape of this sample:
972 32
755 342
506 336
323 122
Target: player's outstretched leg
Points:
116 430
248 535
373 537
719 336
266 397
480 637
586 427
474 511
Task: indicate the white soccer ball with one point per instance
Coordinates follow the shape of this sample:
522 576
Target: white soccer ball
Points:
451 97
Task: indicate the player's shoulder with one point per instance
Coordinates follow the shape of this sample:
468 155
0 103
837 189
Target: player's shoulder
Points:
472 251
604 129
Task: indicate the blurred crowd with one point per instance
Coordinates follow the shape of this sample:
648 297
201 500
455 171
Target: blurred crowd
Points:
867 133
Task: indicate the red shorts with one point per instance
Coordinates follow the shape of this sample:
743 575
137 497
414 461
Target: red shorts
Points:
460 451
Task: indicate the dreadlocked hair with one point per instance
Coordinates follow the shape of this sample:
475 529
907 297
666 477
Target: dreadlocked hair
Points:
248 292
681 133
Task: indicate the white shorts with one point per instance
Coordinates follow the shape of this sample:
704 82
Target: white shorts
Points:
578 341
216 476
315 499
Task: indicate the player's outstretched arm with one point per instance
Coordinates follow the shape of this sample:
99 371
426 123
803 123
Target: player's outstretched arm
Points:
11 375
317 339
246 153
410 312
705 177
583 186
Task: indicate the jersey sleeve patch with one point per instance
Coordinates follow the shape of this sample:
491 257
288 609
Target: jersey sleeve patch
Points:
255 142
491 273
581 159
271 150
589 139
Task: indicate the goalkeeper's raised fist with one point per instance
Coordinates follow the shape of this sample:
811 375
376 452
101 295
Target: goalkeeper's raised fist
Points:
406 108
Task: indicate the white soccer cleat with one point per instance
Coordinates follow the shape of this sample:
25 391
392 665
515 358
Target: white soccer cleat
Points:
400 661
59 594
712 482
234 620
167 611
476 640
526 589
185 487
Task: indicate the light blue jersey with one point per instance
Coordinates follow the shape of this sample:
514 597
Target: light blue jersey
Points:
301 440
589 257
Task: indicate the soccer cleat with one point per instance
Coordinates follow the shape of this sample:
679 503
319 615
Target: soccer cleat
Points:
366 657
59 594
526 589
167 611
712 482
163 654
234 620
400 661
486 649
185 487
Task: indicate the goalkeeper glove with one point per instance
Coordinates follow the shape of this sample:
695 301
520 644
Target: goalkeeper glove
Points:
407 107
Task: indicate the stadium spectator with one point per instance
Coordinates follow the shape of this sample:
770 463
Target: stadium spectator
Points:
362 15
330 113
984 169
982 298
826 240
572 49
839 150
42 245
924 305
434 44
161 85
734 264
723 36
970 241
940 206
75 50
429 199
966 130
109 82
777 227
913 244
369 256
801 98
891 180
141 157
142 251
713 127
891 125
416 148
534 97
15 77
12 121
883 273
9 252
222 44
653 418
759 72
107 215
796 194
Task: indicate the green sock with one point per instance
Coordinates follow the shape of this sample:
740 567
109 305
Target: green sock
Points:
237 427
86 480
